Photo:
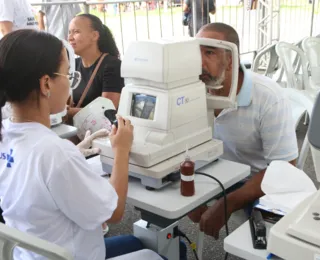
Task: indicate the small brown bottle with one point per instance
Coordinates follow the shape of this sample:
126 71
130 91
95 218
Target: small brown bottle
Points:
187 177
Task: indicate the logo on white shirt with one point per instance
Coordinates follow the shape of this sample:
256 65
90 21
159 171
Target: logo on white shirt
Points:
8 157
31 21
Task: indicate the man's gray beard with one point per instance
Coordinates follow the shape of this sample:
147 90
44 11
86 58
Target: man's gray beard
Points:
213 84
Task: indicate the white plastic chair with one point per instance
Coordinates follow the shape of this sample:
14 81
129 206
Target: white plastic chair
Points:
269 56
297 61
311 47
286 52
11 238
300 101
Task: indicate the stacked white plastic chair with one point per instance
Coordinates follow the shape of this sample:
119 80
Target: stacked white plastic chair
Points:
270 57
285 51
274 70
311 47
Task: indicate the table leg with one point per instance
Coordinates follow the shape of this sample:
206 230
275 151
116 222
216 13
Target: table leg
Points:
160 240
200 240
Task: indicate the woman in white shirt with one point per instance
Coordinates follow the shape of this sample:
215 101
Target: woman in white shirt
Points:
16 14
46 186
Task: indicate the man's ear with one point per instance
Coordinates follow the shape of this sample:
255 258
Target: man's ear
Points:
229 61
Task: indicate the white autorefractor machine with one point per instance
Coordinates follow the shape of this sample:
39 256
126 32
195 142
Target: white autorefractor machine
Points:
297 235
169 107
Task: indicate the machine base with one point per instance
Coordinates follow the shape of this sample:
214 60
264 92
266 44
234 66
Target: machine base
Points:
161 240
164 173
283 245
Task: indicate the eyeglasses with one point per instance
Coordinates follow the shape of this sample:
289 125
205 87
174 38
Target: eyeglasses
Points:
73 77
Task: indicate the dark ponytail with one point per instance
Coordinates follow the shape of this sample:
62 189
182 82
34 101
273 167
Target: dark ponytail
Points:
25 57
106 42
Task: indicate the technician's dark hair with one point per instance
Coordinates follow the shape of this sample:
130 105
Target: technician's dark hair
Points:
230 34
106 42
26 56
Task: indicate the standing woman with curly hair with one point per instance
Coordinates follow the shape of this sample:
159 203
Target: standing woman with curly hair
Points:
95 45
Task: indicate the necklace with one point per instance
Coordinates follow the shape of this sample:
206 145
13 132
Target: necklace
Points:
19 120
91 64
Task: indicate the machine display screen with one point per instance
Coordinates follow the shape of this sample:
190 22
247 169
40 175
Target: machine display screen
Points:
143 106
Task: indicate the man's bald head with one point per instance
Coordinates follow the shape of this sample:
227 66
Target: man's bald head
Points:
229 33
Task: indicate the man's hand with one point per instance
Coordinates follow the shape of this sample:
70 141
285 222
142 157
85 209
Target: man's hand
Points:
195 215
214 219
86 144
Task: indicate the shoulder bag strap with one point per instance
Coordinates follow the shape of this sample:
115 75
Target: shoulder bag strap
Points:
85 92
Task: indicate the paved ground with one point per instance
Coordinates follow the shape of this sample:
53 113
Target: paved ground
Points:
213 250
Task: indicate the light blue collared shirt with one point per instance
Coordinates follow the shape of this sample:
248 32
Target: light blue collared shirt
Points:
245 95
261 129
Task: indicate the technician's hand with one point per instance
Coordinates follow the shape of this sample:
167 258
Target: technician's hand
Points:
121 138
214 219
195 215
86 144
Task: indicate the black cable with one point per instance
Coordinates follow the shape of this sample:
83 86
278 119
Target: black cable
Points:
225 203
181 234
193 246
224 197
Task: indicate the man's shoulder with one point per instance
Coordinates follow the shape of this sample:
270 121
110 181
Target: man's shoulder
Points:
267 89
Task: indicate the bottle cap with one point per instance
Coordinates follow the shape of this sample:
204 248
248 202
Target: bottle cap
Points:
187 157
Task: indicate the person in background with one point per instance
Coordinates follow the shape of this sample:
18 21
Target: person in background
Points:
99 7
91 39
47 188
57 17
261 129
15 14
203 8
